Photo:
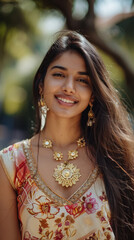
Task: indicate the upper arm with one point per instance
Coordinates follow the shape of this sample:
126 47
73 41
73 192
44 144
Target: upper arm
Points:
9 225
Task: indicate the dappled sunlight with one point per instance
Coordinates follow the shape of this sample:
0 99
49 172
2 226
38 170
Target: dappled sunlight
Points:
29 27
15 97
51 22
108 8
17 43
80 9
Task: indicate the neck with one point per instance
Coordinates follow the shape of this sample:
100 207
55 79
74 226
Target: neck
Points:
62 131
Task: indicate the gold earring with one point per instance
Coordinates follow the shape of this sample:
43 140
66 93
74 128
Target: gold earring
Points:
91 116
43 111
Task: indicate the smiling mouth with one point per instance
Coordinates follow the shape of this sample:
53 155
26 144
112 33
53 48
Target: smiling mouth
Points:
66 100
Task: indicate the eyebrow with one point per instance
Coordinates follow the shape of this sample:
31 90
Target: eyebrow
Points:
83 73
65 69
60 67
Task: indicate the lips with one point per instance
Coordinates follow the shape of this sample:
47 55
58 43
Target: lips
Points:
66 99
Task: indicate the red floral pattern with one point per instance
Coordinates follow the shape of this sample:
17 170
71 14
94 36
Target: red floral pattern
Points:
75 209
42 218
43 208
90 204
58 235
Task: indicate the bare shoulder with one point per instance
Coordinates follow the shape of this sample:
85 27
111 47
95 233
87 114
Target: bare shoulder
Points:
8 208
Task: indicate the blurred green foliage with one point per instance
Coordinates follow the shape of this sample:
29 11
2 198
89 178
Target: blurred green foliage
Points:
25 35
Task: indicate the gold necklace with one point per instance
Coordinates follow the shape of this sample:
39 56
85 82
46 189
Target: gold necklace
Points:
66 174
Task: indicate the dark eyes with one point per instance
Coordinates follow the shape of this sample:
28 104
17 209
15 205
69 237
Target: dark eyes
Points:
58 75
83 80
79 79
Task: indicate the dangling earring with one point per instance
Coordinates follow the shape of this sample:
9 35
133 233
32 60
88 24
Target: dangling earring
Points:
91 117
43 111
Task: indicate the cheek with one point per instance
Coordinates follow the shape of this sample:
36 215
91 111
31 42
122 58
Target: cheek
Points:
86 100
47 87
86 94
50 85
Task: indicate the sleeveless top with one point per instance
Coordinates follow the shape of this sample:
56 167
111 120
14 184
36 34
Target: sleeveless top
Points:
45 215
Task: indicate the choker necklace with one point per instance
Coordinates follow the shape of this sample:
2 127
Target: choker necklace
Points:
66 174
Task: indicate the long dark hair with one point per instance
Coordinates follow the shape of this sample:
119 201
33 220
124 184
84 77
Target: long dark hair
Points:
110 139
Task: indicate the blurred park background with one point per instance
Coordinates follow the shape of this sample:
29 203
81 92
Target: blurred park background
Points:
27 29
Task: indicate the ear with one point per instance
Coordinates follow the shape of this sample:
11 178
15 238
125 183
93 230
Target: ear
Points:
40 88
91 99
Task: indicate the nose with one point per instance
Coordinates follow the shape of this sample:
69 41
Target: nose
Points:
69 86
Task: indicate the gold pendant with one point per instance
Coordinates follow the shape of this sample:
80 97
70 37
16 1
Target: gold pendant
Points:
47 143
72 154
81 142
58 156
66 174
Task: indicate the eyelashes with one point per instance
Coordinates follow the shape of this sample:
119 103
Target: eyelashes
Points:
82 80
79 79
58 75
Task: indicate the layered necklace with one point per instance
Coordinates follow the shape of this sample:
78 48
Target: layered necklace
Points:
66 173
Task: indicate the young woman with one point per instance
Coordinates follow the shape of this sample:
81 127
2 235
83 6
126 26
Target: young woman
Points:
74 178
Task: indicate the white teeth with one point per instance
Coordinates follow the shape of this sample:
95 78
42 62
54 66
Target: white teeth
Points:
65 100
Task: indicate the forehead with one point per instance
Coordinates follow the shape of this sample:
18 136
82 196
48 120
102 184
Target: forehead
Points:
70 60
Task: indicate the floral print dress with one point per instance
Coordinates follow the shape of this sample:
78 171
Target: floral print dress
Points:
43 214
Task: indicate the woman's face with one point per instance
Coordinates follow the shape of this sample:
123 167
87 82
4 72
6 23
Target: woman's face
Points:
67 86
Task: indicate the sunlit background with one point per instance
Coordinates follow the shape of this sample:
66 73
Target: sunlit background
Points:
27 29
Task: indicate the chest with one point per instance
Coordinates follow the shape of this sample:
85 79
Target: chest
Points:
79 171
67 220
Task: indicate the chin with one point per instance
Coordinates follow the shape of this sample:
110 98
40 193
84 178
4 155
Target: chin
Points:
66 114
